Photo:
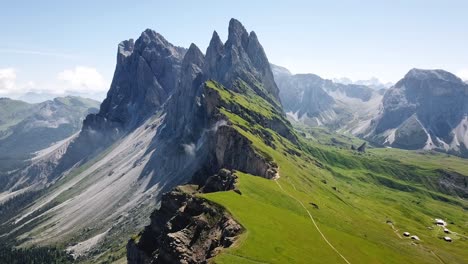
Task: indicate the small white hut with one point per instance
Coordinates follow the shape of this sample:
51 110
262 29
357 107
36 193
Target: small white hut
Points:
440 222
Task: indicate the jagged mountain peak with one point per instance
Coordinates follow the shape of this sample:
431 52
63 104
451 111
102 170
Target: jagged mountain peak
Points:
193 54
237 34
216 45
150 35
192 66
240 57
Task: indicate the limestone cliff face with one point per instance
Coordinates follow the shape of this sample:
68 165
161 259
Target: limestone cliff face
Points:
146 73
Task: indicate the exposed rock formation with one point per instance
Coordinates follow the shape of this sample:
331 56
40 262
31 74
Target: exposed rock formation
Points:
241 57
362 148
427 109
224 180
186 229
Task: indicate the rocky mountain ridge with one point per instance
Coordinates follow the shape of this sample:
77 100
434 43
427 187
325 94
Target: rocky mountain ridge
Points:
165 122
311 100
427 109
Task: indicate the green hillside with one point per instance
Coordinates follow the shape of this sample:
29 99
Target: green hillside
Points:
26 128
359 204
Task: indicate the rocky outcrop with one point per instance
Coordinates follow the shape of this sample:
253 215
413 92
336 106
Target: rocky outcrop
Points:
453 183
427 109
186 229
224 180
362 148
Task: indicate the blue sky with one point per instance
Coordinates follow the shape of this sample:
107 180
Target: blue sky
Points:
66 47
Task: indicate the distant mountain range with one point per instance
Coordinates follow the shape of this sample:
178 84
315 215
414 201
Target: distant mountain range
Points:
373 83
315 101
26 128
39 97
427 109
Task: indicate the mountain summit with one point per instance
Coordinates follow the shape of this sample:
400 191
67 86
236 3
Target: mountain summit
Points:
427 109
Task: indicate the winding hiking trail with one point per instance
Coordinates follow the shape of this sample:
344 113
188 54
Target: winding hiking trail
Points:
312 219
400 237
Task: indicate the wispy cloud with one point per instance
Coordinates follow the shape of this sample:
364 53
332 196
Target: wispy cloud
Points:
40 53
9 85
83 79
80 80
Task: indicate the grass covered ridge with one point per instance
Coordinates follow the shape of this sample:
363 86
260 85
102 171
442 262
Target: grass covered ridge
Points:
359 198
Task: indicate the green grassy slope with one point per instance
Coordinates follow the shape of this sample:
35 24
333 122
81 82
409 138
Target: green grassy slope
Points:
365 203
12 112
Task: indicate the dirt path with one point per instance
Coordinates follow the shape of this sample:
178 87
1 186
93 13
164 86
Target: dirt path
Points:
396 231
313 221
432 252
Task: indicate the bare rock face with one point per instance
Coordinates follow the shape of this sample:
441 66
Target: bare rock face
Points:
186 229
426 109
234 151
146 73
241 57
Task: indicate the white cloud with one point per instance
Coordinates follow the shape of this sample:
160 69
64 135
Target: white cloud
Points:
82 79
7 81
463 74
